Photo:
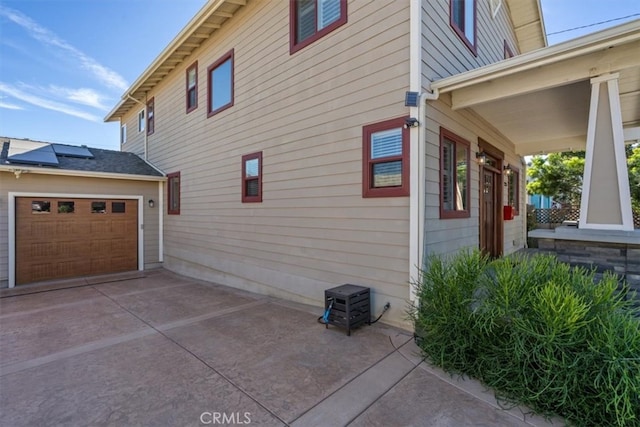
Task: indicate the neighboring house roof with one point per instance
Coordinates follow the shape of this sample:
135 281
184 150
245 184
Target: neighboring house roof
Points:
206 22
525 14
24 155
540 100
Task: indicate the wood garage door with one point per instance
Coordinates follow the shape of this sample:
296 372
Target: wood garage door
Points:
58 238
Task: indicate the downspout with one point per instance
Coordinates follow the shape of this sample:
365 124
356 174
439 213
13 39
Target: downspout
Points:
417 155
146 134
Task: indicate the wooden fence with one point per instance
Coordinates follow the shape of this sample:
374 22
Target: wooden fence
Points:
552 218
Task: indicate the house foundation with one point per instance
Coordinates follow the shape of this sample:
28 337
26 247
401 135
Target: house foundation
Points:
604 250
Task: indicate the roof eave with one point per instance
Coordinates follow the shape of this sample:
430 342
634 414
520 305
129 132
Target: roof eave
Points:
13 168
537 58
196 22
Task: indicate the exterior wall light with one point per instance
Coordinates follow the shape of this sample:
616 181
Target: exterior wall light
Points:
481 158
151 203
507 169
411 122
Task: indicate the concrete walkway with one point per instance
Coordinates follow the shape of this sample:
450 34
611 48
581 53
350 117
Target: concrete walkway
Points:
159 349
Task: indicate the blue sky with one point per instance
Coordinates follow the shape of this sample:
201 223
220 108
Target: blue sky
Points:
65 63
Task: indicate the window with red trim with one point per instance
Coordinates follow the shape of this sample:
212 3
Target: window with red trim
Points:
220 81
455 176
462 16
173 193
252 178
385 168
192 87
151 116
513 190
310 20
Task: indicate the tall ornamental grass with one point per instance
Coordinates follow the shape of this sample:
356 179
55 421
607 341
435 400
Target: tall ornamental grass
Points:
537 331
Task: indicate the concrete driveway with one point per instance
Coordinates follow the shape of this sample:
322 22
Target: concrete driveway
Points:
161 349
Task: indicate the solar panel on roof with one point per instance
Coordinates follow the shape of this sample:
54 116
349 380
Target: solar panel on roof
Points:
72 151
33 153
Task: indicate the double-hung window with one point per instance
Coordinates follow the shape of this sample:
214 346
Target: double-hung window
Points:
123 134
220 79
192 87
463 21
385 168
151 119
513 190
141 121
454 176
252 178
313 19
173 193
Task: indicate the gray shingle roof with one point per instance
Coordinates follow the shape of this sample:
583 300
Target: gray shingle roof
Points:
108 161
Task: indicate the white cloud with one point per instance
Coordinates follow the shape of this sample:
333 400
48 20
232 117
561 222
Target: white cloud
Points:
46 103
9 106
82 96
105 75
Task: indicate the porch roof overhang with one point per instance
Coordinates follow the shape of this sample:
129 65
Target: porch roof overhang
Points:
540 100
206 22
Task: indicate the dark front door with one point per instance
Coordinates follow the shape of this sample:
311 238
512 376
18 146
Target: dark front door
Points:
489 218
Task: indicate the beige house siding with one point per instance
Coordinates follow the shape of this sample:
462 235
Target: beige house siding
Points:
445 54
135 139
450 235
305 112
39 183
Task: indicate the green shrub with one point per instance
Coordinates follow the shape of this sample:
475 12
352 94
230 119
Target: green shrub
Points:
536 331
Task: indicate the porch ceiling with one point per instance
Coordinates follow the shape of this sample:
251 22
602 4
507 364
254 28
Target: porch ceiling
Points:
540 100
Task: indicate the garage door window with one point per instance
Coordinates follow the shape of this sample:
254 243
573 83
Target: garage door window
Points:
40 207
117 207
99 207
66 207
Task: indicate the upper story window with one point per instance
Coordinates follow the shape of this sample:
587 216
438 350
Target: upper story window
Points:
385 168
151 119
220 79
463 21
454 176
252 178
173 193
123 134
310 20
192 87
141 121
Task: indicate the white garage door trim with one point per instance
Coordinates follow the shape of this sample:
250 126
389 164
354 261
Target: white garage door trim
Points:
12 222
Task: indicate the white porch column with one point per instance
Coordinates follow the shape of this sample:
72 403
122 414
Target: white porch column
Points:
606 200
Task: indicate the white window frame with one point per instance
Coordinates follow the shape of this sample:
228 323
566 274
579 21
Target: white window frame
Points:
141 120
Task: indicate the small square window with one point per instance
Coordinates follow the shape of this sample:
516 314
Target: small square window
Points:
66 207
454 176
141 121
173 193
220 79
309 20
462 17
192 87
151 119
40 206
385 168
252 178
118 207
98 207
